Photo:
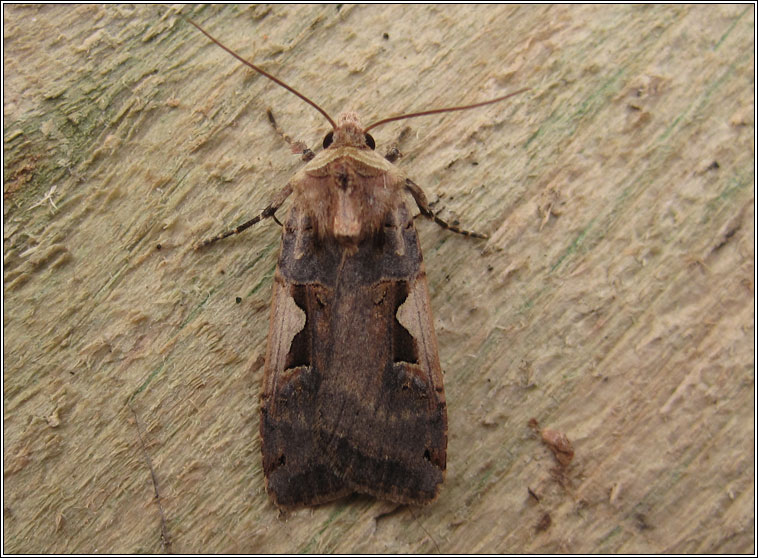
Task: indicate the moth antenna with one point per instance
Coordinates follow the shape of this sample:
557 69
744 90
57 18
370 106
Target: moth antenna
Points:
265 73
448 109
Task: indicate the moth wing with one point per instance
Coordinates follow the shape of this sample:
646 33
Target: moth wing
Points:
391 442
353 398
383 419
296 470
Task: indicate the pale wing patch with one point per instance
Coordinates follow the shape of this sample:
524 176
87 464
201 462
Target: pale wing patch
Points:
287 320
408 314
415 315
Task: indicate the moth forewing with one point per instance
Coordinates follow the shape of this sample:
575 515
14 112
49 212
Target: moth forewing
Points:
354 402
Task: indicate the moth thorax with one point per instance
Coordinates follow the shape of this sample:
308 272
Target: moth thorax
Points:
349 131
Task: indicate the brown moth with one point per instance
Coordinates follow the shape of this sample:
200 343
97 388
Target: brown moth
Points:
352 397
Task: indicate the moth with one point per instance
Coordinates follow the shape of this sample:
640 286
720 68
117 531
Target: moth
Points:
352 398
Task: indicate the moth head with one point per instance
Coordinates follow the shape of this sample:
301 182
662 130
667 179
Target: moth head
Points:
349 132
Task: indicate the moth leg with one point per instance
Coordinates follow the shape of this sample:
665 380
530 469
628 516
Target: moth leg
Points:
426 211
268 212
297 147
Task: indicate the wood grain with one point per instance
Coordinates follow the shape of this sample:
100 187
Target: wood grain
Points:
614 301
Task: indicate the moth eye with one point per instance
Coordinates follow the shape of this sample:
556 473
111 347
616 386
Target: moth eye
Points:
328 139
370 142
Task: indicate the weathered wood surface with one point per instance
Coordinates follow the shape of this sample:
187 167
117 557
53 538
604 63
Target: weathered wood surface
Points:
613 302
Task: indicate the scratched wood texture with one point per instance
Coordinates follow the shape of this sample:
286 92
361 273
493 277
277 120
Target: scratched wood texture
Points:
614 301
